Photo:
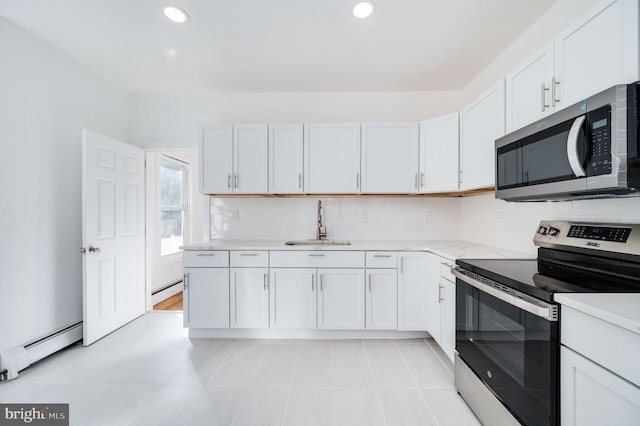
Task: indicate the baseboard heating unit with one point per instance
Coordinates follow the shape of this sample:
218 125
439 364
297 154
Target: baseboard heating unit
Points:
17 359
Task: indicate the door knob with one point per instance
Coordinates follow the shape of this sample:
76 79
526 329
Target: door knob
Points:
94 249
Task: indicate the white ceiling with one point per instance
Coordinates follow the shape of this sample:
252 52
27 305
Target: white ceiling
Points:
280 45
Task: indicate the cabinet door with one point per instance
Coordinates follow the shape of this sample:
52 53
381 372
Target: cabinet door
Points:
390 158
293 297
206 298
249 297
216 159
412 292
434 317
528 90
481 123
285 158
341 299
332 158
597 51
592 395
382 299
439 154
250 150
448 317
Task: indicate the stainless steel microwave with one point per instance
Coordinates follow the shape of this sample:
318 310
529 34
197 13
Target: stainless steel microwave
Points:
587 150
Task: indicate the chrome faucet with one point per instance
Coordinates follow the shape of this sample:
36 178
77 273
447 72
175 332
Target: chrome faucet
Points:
321 232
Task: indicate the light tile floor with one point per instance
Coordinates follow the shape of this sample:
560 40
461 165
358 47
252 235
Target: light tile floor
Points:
150 373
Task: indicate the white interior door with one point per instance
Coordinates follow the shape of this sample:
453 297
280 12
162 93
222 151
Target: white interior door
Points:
113 234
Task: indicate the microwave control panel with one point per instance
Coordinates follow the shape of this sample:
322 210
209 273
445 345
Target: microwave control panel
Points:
599 141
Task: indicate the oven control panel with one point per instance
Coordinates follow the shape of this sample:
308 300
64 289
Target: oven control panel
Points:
610 239
601 233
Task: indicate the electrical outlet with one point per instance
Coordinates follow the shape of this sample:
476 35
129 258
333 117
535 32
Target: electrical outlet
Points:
426 218
363 217
231 215
499 214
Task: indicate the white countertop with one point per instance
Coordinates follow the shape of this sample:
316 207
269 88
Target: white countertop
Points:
621 309
451 249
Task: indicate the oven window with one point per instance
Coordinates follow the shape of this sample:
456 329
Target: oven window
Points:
512 351
503 340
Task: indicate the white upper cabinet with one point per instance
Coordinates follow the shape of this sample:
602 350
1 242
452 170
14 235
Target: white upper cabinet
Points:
234 159
285 158
332 158
439 154
529 90
250 151
481 123
597 51
390 158
216 159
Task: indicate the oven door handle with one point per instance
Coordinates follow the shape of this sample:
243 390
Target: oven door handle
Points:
538 308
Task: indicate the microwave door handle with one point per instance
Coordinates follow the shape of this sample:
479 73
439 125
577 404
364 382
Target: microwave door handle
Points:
572 147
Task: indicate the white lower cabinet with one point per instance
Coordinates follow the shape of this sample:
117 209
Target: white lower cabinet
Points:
249 297
441 297
381 299
206 298
412 291
293 297
593 395
341 299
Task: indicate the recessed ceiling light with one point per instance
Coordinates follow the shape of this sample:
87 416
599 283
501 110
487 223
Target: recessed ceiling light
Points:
363 9
176 14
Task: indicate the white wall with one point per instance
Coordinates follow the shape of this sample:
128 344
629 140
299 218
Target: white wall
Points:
45 101
171 121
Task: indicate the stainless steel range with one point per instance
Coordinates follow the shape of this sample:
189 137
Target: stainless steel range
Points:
508 325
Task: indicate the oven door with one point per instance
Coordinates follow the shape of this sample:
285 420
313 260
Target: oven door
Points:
512 349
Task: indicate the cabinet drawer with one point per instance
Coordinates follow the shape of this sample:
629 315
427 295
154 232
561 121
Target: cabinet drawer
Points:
445 269
382 259
602 342
205 259
257 259
317 259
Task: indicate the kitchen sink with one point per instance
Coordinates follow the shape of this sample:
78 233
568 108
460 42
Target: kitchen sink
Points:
318 242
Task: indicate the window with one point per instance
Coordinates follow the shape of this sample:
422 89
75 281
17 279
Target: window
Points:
173 204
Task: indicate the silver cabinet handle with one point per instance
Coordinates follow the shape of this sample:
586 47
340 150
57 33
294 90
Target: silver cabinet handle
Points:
205 254
321 281
358 180
401 265
265 280
229 180
554 98
316 255
382 255
300 180
248 254
543 96
415 181
447 265
312 280
369 283
185 281
235 180
440 299
421 180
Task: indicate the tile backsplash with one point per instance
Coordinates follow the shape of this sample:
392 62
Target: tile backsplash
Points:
481 218
410 218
